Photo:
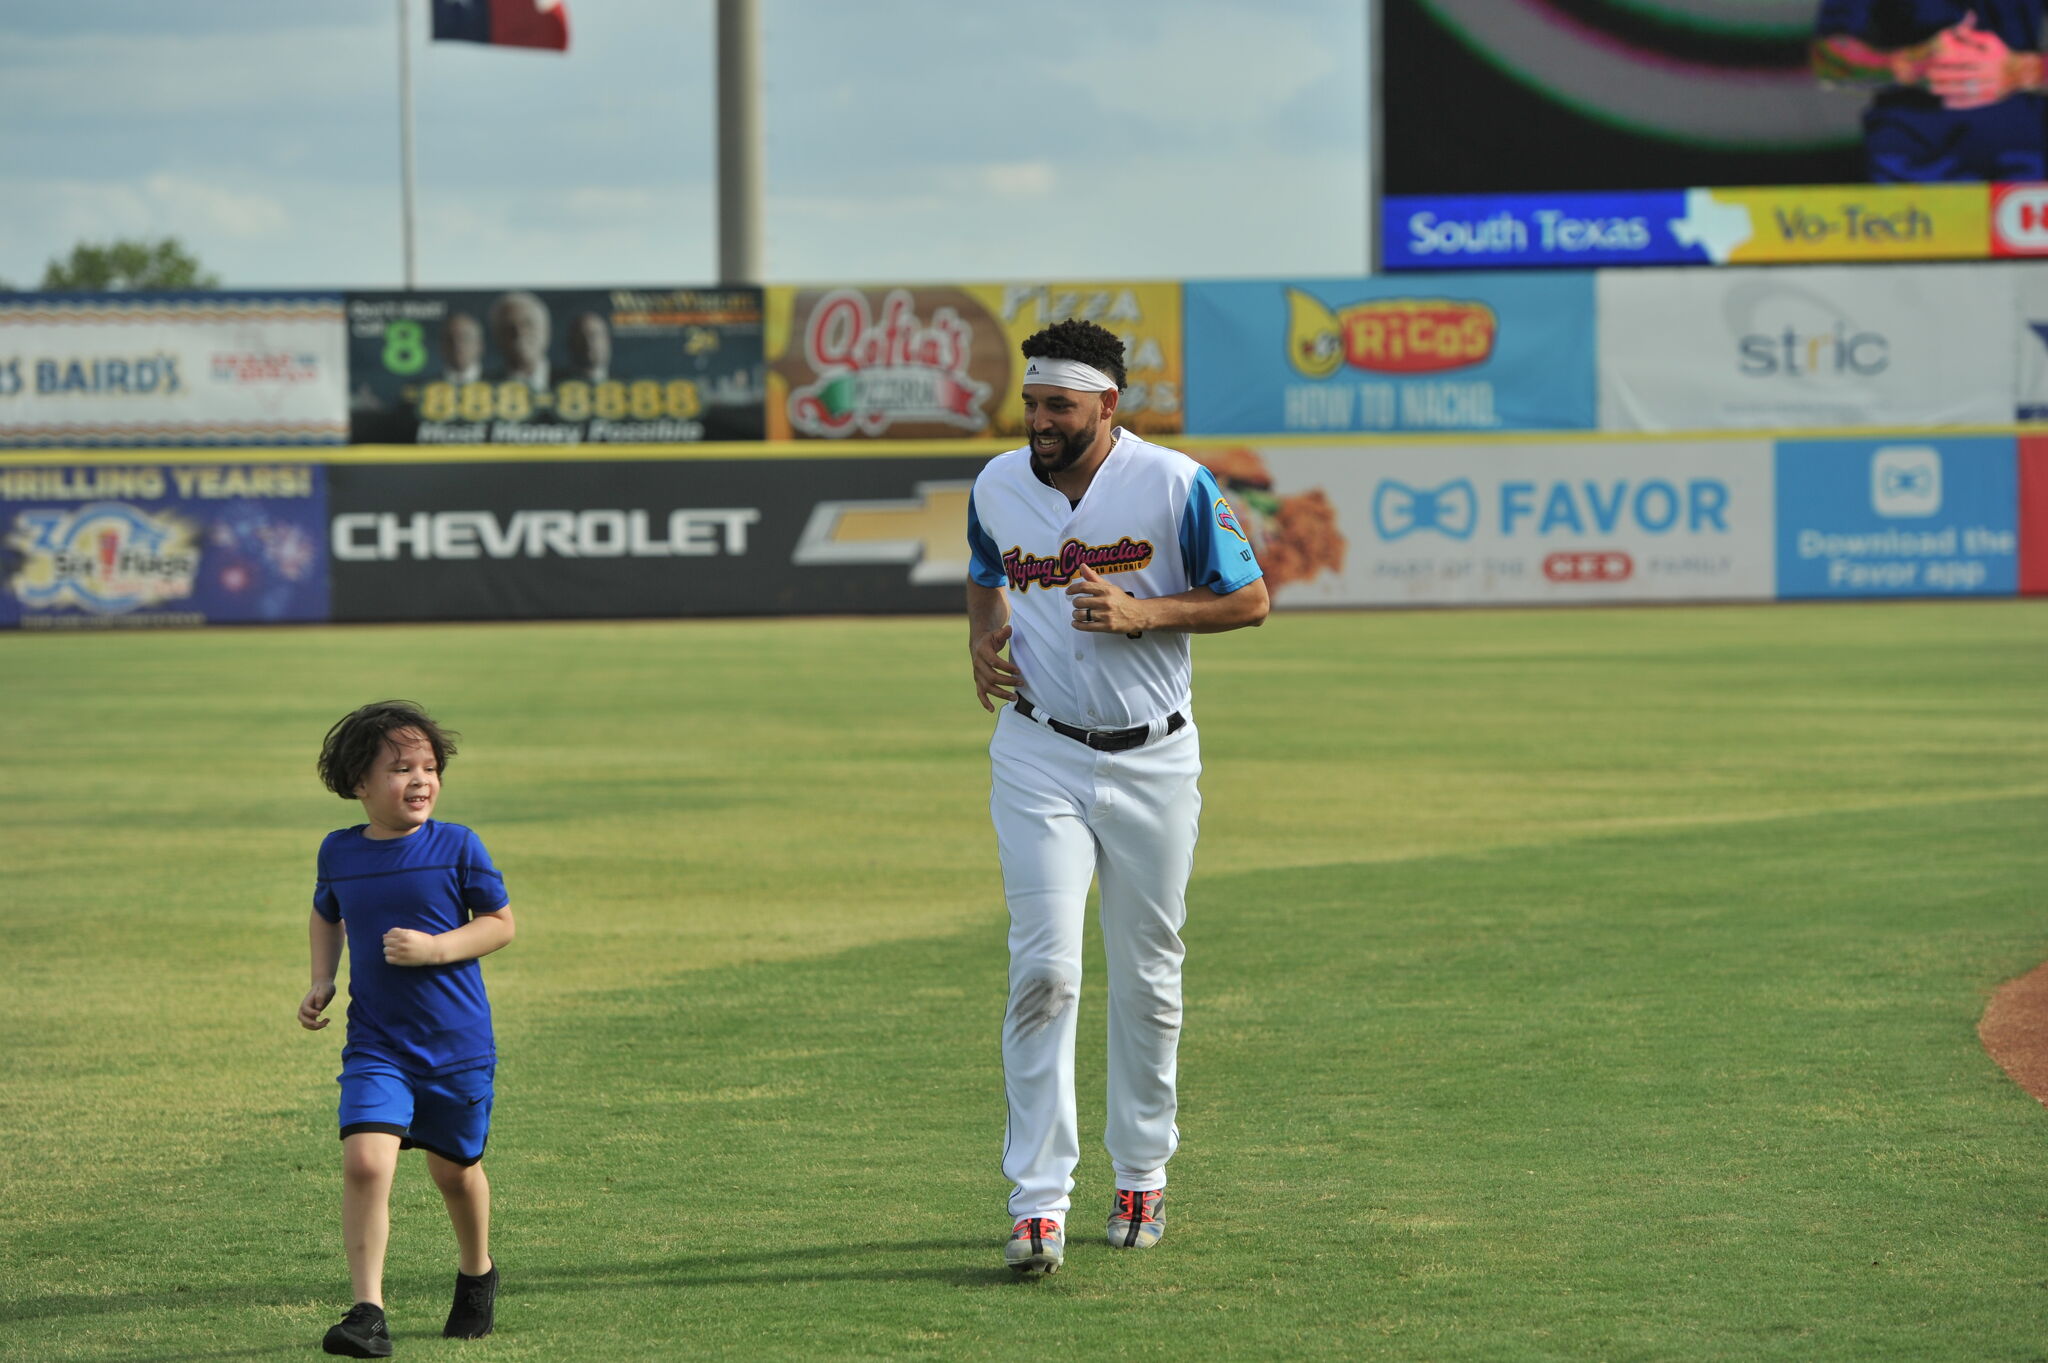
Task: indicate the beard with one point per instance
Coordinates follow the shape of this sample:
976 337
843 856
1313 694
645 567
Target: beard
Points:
1069 453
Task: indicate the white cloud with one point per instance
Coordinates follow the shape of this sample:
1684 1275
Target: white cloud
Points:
195 208
1018 179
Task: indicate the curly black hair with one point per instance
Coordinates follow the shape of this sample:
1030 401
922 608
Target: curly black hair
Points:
1082 341
351 746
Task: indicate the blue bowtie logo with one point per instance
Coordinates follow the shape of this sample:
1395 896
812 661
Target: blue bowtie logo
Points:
1907 482
1399 510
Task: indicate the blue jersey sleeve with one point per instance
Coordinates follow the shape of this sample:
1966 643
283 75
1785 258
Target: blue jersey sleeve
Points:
986 563
1213 545
483 889
325 901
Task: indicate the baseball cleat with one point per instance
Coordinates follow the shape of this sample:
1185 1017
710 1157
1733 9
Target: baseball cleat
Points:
1135 1222
1037 1247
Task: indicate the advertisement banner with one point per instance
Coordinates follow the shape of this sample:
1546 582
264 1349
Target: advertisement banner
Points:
617 539
919 362
2033 515
1809 224
85 370
1504 523
554 366
1574 231
162 544
2029 283
1907 516
1455 353
2019 220
1691 350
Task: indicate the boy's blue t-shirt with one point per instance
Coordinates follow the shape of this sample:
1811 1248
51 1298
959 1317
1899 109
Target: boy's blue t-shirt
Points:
425 1019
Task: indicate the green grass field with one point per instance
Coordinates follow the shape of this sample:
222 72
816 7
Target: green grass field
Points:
1562 985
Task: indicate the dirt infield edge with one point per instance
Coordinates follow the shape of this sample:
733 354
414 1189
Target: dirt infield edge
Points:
2014 1029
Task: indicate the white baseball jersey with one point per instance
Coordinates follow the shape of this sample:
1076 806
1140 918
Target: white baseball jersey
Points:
1154 523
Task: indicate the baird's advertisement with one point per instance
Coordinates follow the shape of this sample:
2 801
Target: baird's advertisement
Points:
162 544
648 538
94 370
561 367
1504 523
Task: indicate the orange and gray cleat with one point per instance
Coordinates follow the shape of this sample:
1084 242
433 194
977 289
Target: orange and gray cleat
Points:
1135 1222
1037 1247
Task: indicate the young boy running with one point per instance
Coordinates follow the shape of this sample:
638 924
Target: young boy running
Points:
418 902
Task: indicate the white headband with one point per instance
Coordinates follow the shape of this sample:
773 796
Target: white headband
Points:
1066 374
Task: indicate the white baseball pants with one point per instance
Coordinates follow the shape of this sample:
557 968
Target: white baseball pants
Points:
1065 814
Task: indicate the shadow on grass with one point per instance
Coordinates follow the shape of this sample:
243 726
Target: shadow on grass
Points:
771 1268
972 1263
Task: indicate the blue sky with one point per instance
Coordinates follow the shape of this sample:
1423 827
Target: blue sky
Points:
907 140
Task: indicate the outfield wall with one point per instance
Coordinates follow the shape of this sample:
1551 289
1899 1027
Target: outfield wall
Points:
1544 437
238 536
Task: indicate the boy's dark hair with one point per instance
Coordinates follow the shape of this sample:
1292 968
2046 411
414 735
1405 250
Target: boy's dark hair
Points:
352 745
1082 341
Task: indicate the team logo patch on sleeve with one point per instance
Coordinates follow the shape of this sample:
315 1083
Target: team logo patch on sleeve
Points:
1227 518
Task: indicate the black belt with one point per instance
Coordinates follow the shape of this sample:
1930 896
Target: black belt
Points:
1103 740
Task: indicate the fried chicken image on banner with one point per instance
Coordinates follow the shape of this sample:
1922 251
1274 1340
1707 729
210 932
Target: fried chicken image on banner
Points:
1295 536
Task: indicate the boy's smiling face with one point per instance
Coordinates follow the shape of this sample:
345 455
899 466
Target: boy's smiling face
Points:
399 791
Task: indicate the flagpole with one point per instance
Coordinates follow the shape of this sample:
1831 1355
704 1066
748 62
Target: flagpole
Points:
405 132
739 142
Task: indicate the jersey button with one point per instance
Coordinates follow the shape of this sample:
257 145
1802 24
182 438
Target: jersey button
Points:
1077 655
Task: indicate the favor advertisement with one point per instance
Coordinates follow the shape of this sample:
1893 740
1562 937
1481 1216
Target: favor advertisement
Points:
1503 523
86 370
560 367
1474 352
923 362
162 544
1905 516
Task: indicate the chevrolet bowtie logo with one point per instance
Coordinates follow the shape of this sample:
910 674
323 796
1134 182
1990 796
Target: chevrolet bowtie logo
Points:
927 531
1399 510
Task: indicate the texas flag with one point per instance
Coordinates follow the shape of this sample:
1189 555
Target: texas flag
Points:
504 23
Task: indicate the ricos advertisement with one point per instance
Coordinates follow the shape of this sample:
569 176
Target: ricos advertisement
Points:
1504 524
555 367
1906 516
1444 353
224 368
156 545
1690 350
929 362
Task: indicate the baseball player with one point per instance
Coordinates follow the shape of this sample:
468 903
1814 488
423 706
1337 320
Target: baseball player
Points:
1095 556
1962 85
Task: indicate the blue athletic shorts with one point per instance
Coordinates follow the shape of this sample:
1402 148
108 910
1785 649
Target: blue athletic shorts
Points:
449 1115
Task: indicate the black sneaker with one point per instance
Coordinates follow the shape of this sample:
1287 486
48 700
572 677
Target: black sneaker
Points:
475 1300
362 1333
